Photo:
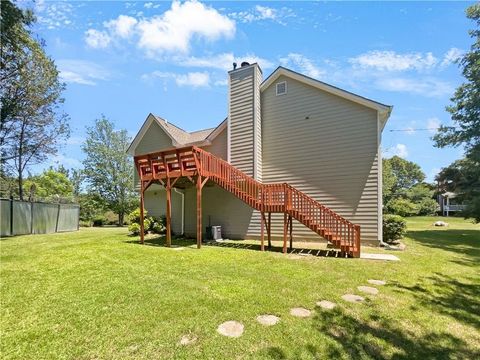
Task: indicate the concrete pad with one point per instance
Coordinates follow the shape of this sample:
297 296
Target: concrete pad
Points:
386 257
327 305
368 290
231 329
352 298
187 340
268 320
300 312
376 282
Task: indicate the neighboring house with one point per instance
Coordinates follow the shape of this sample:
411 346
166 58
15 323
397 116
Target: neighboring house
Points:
449 203
291 128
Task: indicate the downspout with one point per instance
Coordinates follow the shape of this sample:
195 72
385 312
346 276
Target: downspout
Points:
183 208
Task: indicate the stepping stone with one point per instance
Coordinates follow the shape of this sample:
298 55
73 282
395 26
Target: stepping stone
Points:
231 329
376 282
325 304
368 290
352 298
187 340
300 312
268 320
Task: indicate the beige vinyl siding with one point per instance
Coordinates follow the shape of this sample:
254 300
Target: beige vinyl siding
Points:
219 145
241 110
219 207
154 139
325 146
257 118
156 205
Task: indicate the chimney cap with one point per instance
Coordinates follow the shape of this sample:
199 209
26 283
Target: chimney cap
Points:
234 65
245 63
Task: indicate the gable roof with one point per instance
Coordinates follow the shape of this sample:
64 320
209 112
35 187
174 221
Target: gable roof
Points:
383 110
179 136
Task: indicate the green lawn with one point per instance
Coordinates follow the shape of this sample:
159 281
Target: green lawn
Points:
97 294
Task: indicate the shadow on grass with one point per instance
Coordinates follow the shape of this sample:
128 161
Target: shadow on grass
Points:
377 337
464 242
160 241
448 296
347 337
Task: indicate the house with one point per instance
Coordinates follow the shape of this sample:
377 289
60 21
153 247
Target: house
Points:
448 202
289 128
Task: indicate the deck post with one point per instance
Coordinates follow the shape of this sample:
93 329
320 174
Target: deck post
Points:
142 230
290 221
269 230
168 217
262 224
285 224
199 211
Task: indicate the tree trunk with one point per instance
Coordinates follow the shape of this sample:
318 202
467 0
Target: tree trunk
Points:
121 216
20 185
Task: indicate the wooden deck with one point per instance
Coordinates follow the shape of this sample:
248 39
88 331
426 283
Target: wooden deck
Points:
172 167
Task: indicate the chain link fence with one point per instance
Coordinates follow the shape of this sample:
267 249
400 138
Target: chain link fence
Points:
22 217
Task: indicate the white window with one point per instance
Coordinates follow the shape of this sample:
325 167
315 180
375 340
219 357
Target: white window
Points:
281 88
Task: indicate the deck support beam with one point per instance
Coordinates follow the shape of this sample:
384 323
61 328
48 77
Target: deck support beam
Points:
199 185
290 222
269 230
168 217
262 225
285 226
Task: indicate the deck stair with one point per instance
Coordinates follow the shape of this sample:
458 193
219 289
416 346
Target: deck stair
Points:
194 163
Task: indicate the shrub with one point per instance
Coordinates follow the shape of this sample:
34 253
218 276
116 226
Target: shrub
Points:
134 219
98 221
157 227
83 223
394 228
402 207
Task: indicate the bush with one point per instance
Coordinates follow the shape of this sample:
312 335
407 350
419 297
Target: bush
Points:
394 228
134 228
402 207
83 223
157 227
99 221
134 219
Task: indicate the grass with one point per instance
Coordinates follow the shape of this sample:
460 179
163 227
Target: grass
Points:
97 294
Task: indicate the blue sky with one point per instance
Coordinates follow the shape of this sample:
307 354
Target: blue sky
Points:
127 59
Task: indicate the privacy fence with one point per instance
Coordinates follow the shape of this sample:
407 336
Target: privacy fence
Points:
22 217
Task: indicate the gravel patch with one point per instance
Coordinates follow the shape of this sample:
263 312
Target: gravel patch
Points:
187 340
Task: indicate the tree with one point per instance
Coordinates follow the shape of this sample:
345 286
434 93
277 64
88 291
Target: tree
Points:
405 173
404 192
107 167
33 126
51 184
464 175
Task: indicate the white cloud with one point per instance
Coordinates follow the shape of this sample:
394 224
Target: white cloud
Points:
54 15
81 72
122 27
97 39
170 32
174 30
429 87
451 56
260 13
148 5
223 61
303 64
398 150
433 124
391 61
192 79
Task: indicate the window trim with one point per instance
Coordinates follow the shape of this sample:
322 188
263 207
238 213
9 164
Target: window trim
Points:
276 88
